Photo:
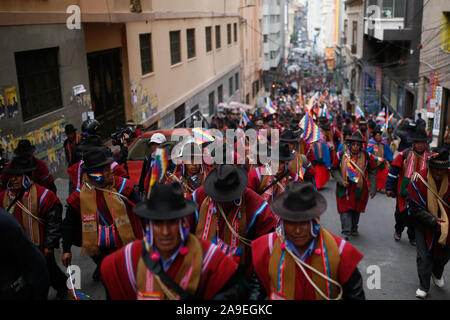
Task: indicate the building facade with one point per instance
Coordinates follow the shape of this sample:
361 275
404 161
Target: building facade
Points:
434 83
151 61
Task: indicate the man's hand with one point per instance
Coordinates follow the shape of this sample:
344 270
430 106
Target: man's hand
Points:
390 193
372 195
66 259
48 252
345 184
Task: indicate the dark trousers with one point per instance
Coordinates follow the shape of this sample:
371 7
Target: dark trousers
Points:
403 220
426 264
349 222
58 278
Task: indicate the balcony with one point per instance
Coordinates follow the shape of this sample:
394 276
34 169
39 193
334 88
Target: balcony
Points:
385 28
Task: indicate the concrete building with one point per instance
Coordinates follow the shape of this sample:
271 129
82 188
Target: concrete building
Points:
273 32
351 53
154 62
434 98
391 56
252 50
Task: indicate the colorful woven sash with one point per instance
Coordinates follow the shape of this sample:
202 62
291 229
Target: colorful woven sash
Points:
412 163
89 218
283 269
353 172
150 287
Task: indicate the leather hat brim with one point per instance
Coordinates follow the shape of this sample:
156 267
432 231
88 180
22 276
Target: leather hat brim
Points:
281 158
230 195
433 164
419 139
290 140
142 210
297 216
14 171
29 151
356 140
104 163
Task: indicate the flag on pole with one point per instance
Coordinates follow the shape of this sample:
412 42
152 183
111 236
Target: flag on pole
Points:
359 112
245 117
202 136
158 168
311 132
381 117
269 108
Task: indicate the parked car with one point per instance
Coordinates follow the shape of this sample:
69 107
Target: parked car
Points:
139 149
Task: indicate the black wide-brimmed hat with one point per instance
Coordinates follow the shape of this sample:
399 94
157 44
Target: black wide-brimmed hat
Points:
69 128
299 202
90 141
96 158
377 130
441 161
166 202
24 148
324 123
191 149
289 135
419 136
294 126
226 183
357 137
20 165
284 154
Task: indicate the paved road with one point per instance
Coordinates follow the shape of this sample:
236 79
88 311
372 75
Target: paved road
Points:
396 260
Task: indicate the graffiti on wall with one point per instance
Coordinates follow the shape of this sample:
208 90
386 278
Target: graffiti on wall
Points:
144 105
8 103
48 140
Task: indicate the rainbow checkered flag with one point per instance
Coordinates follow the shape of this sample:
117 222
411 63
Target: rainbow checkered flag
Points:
381 117
245 117
269 107
351 171
359 112
201 136
311 132
158 168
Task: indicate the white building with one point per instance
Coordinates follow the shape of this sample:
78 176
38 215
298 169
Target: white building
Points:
272 31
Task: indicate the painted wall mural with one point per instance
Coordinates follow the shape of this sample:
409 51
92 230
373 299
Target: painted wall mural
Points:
49 142
144 105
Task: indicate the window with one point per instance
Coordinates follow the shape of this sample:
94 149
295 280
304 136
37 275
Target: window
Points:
145 45
393 9
236 81
220 94
229 33
355 34
445 31
218 37
180 113
344 39
39 86
265 38
175 47
208 39
235 31
230 85
190 35
212 108
247 98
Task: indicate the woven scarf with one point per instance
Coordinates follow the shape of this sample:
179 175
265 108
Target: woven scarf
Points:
208 227
411 164
150 286
283 269
435 206
30 222
89 218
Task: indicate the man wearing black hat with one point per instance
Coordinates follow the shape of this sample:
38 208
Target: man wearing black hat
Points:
75 171
100 217
404 165
365 131
38 211
267 183
302 260
170 263
231 214
405 129
428 194
41 174
300 164
70 143
350 170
